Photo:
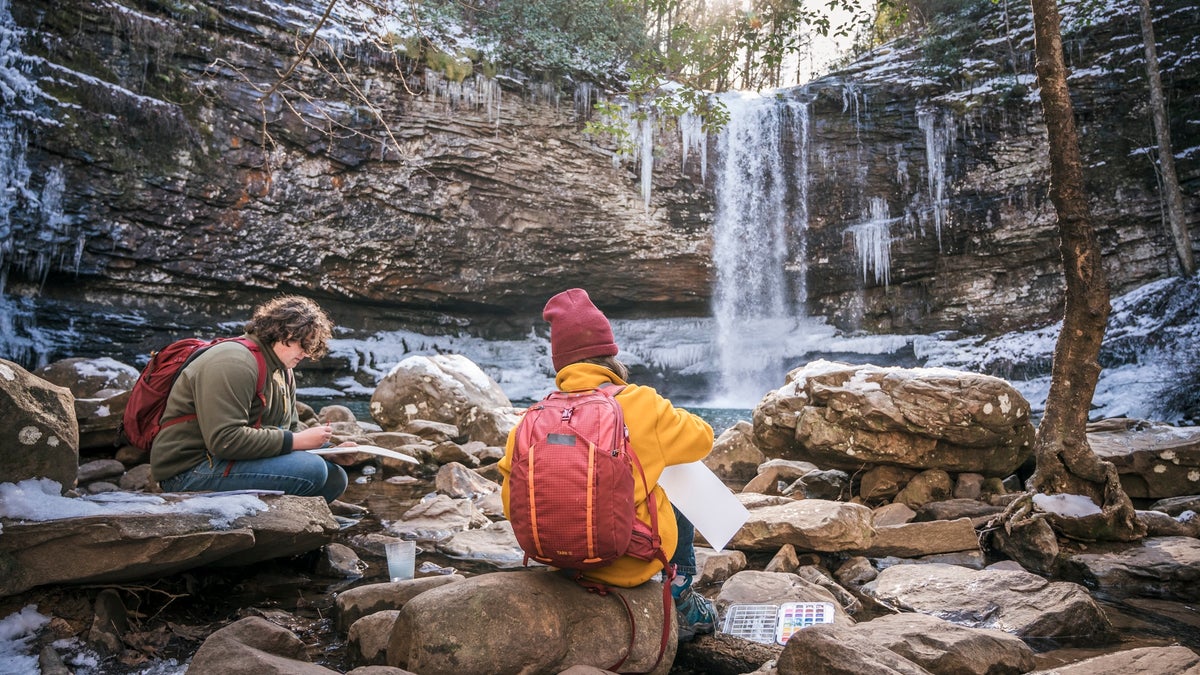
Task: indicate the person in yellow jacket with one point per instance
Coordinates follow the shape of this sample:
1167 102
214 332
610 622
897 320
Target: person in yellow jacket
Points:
584 351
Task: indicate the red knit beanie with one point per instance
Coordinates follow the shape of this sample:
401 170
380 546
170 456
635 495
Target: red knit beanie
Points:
577 329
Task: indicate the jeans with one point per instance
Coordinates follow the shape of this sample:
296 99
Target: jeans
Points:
294 473
685 551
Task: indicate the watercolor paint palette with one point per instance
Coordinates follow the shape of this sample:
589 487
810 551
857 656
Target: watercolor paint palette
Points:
774 623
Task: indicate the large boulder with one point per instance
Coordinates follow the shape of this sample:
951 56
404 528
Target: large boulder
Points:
447 388
530 622
1018 602
1154 460
39 437
89 378
843 416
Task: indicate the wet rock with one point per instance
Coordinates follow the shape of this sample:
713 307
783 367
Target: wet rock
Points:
1162 567
340 561
1021 603
437 518
1174 659
438 632
40 436
494 544
255 645
808 524
842 416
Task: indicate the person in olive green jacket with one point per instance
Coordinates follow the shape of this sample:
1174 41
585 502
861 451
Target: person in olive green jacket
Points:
583 351
226 436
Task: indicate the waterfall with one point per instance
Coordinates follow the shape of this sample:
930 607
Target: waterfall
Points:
758 243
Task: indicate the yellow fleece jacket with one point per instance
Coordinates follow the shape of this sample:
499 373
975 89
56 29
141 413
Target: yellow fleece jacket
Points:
661 435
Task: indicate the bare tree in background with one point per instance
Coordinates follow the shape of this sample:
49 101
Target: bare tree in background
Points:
1172 195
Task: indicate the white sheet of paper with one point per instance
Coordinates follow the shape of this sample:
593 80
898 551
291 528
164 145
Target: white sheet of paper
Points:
371 449
697 492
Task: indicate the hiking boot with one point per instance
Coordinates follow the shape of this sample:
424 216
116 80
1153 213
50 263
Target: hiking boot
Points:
695 614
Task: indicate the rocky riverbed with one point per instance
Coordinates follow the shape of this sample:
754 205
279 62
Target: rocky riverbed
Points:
895 551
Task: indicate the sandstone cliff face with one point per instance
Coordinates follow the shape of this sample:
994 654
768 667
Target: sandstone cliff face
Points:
180 180
157 180
957 156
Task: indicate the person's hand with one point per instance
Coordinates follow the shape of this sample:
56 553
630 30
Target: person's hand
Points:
348 459
312 438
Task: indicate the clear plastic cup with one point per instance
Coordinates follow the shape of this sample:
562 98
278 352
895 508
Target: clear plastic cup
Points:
401 559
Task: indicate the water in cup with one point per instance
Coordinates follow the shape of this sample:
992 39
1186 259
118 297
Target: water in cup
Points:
400 559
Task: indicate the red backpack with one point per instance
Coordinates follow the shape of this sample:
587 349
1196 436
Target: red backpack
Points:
571 491
143 414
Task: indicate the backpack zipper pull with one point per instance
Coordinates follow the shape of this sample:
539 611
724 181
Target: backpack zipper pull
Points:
566 414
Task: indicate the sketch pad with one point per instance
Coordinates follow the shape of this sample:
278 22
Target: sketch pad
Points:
369 449
697 492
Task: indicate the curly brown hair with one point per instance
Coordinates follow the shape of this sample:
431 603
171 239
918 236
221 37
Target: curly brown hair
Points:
292 318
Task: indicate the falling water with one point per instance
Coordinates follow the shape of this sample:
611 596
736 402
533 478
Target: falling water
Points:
758 244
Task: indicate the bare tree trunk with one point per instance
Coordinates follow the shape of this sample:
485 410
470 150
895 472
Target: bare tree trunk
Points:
1172 195
1065 461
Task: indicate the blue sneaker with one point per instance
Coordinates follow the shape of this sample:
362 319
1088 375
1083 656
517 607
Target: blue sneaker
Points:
694 613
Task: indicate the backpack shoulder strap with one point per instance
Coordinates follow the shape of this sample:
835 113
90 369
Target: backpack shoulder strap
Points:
262 372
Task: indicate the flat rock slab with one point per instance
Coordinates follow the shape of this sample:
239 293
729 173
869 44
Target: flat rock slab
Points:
1017 602
1153 460
128 547
807 524
1157 567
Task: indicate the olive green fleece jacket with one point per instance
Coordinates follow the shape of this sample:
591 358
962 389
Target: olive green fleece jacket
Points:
218 387
661 435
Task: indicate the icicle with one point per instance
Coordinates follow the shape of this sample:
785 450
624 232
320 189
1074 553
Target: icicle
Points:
646 156
938 140
693 137
873 241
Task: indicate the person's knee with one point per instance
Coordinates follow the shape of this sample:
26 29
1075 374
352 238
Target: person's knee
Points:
336 482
